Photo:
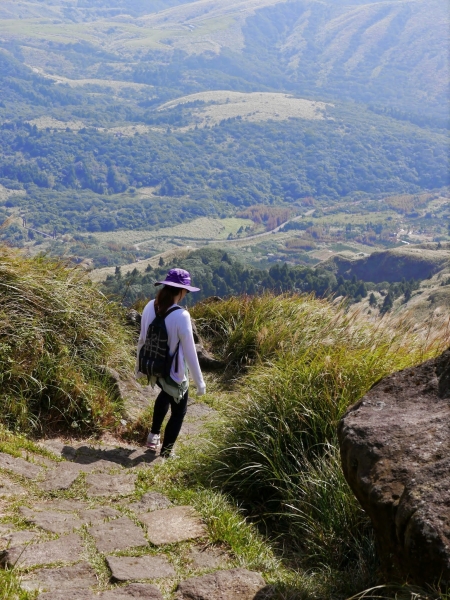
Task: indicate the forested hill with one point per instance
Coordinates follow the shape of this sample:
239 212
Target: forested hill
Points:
90 179
389 53
124 115
218 274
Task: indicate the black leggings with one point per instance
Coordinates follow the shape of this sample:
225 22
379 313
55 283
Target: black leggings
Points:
177 413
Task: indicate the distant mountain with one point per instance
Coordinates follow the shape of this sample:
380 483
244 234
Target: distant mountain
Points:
392 55
113 113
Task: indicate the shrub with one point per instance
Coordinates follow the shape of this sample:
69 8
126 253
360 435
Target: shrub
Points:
57 333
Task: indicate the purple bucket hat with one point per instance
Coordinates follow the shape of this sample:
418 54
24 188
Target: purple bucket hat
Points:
178 278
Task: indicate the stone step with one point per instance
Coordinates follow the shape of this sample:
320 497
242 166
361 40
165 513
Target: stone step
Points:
135 568
173 525
120 534
76 577
19 466
225 585
135 590
67 548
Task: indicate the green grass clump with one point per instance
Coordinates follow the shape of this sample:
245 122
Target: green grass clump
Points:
10 587
299 364
57 333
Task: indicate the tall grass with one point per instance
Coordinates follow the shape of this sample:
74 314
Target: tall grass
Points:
57 332
299 363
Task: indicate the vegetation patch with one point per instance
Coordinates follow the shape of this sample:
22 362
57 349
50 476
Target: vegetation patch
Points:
255 106
300 362
57 335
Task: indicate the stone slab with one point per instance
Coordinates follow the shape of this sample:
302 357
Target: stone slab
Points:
60 478
143 457
76 577
197 416
119 534
55 522
173 525
103 484
92 516
69 595
144 591
135 590
10 488
58 447
113 454
19 538
207 558
224 585
65 549
38 459
134 568
19 466
61 504
150 501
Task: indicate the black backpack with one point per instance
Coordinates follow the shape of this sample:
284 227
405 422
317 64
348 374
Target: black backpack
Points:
154 357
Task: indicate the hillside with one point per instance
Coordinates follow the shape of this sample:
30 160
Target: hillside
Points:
408 262
122 116
257 460
390 53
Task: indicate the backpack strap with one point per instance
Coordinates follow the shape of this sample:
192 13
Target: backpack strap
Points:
171 310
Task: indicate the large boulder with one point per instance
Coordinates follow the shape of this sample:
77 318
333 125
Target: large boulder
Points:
395 450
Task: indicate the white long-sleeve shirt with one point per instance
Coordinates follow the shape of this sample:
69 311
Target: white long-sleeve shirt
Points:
179 329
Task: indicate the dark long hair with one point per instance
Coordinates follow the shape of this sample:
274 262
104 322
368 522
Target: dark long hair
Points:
165 298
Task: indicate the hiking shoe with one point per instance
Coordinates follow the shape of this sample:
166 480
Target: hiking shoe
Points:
169 455
153 441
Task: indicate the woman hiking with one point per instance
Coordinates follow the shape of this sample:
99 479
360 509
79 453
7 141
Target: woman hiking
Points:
183 358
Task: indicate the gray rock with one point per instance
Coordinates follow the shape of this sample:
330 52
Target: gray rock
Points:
142 457
19 466
207 558
151 501
144 591
133 568
60 478
135 590
53 445
128 390
55 522
19 538
134 319
69 595
173 525
395 448
119 534
37 459
10 488
76 577
224 585
197 416
114 455
66 549
61 504
207 360
103 484
97 515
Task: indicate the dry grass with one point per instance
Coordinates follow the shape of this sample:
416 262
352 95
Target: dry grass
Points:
255 106
57 333
204 228
300 362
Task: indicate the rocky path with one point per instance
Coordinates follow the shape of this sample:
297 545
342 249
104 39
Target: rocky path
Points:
78 527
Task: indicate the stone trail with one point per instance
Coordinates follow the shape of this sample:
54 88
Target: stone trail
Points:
67 538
